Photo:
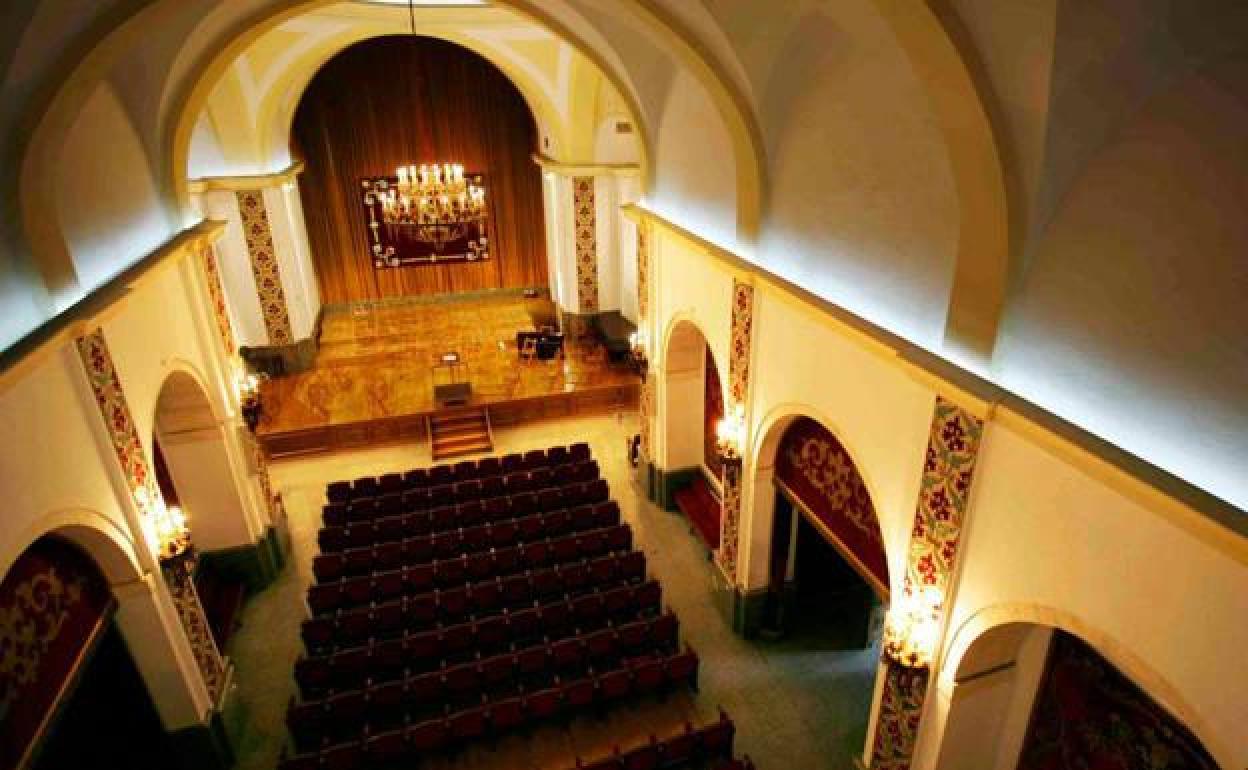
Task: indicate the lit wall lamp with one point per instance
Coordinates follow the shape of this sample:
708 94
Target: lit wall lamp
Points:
637 344
730 435
248 389
166 526
912 628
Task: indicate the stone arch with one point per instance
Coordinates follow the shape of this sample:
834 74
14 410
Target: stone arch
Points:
191 454
760 470
102 539
681 361
982 625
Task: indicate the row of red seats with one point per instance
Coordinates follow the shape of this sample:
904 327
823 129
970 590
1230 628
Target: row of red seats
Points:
419 549
369 486
388 704
493 717
499 563
709 747
628 611
399 526
391 618
363 509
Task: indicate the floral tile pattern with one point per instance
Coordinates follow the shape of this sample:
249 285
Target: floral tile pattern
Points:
739 388
259 235
901 705
216 292
111 400
948 468
645 413
643 270
586 243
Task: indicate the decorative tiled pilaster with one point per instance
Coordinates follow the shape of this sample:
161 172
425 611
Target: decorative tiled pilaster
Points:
111 400
643 270
645 404
216 292
586 244
738 388
259 236
952 448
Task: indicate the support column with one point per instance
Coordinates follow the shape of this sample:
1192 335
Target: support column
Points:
264 267
739 352
948 469
146 497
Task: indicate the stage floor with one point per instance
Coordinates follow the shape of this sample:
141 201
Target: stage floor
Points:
379 362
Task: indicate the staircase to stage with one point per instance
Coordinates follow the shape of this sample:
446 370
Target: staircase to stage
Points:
460 432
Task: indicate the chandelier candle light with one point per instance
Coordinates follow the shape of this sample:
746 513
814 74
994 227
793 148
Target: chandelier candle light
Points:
434 203
730 434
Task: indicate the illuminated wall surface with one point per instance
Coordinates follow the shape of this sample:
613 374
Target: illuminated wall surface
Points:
1117 139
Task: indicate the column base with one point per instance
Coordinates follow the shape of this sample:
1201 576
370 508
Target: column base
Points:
203 747
255 565
741 610
664 484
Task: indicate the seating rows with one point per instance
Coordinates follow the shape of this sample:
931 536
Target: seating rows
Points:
474 490
465 470
628 610
709 746
413 698
398 526
581 581
481 565
495 716
419 549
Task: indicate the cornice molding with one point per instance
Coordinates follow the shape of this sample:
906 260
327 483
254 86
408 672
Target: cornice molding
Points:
100 303
586 169
1194 510
246 182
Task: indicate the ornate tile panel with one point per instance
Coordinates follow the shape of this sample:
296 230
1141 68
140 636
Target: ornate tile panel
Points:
645 413
178 576
259 235
739 388
952 448
901 705
742 332
111 400
216 292
643 270
586 243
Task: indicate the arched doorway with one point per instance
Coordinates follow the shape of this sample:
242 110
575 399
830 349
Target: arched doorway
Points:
197 478
827 570
693 406
1028 696
70 693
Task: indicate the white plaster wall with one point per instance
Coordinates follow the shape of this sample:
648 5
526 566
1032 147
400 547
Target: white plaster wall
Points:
237 278
107 200
207 491
606 221
303 250
292 260
1131 320
206 156
881 415
150 336
49 460
629 190
1043 534
695 174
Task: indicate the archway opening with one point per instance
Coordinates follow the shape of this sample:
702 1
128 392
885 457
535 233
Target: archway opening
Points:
694 406
1031 697
70 693
194 472
828 571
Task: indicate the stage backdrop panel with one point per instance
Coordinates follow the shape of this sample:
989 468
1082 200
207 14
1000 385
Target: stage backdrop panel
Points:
401 100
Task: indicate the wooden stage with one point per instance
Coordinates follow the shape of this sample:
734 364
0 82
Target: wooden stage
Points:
377 365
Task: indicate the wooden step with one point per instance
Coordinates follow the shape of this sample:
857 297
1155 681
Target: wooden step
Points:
460 433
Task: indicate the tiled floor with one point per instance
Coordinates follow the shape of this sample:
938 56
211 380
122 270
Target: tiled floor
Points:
797 706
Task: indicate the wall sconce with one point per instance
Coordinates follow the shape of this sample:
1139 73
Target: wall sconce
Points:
248 388
730 435
166 526
912 628
637 344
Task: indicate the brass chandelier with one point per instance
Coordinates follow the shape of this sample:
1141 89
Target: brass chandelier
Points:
438 201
